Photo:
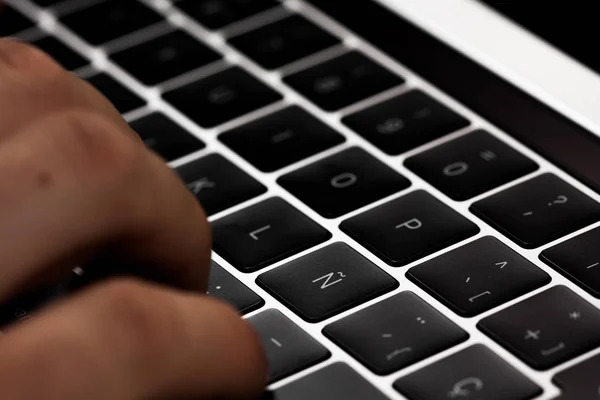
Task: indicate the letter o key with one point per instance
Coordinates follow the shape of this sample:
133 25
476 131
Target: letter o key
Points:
456 169
344 180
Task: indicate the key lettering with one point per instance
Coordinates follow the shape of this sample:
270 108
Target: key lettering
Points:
328 279
413 224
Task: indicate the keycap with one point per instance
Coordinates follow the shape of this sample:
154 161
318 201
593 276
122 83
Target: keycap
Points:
110 20
343 182
475 373
47 3
343 81
12 21
122 98
289 349
218 184
216 14
168 139
578 259
282 42
478 276
26 306
326 282
222 97
408 228
581 381
405 122
395 333
538 211
224 286
61 53
335 382
281 139
470 165
264 234
547 329
165 57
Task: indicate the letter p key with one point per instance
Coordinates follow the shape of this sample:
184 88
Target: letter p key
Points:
412 224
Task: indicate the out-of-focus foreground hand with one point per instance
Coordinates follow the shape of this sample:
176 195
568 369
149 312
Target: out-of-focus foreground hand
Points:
76 182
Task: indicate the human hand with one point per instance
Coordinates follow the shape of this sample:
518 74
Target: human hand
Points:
77 182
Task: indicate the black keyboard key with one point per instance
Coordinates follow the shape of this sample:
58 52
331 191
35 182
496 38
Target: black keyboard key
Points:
335 382
265 233
60 52
289 349
122 98
343 182
547 329
538 211
165 57
343 81
224 286
47 3
475 373
470 165
408 228
12 21
395 333
109 20
26 305
216 14
405 122
282 42
581 381
281 139
218 184
326 282
222 97
478 276
578 259
165 137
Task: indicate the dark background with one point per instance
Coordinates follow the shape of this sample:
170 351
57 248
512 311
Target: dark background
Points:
572 26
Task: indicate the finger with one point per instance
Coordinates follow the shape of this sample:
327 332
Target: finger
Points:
73 184
124 340
33 86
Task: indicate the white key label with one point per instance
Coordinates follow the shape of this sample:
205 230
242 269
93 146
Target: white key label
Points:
413 224
197 186
328 279
456 169
254 235
344 180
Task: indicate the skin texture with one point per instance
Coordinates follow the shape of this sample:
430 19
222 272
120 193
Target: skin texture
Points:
77 183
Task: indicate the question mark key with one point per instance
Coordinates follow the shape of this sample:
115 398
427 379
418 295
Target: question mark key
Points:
518 212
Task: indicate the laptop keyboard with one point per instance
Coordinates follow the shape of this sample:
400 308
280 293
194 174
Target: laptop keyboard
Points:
324 166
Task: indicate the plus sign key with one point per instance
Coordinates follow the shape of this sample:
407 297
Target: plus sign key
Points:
547 329
326 282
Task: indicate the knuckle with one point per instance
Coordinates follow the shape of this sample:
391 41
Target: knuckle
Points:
95 144
134 319
23 57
